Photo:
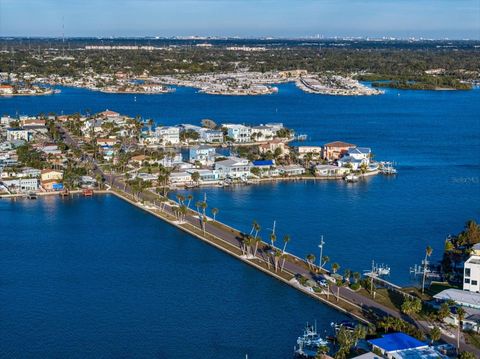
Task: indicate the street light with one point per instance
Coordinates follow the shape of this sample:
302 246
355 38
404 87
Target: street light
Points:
321 252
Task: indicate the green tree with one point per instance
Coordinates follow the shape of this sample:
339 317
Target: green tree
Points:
214 213
435 334
335 267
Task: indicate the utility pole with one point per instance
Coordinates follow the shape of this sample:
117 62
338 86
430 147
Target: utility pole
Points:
321 252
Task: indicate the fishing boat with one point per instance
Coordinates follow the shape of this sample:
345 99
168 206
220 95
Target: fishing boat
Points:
351 178
388 169
309 342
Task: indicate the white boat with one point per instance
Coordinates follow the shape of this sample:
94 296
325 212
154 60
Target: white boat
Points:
309 342
388 169
351 178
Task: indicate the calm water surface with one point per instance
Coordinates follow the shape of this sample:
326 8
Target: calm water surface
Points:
99 278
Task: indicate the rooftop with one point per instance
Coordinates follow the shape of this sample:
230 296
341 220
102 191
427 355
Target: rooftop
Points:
460 296
339 144
397 341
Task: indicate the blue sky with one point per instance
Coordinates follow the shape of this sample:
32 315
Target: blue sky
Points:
280 18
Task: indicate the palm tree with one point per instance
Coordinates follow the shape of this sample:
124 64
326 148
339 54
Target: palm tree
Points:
273 238
214 213
428 253
347 273
276 258
189 197
257 240
204 206
335 267
325 260
256 228
198 204
460 316
356 276
310 259
254 223
435 335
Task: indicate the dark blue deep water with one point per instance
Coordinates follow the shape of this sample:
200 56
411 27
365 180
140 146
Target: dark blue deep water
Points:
433 136
98 278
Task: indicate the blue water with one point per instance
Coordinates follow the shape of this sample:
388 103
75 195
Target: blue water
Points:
99 278
433 136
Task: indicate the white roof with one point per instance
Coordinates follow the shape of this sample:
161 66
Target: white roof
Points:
368 355
461 297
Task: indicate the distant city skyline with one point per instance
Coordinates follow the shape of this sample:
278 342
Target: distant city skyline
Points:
437 19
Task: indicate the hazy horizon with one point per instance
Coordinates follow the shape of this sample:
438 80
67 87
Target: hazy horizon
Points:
429 19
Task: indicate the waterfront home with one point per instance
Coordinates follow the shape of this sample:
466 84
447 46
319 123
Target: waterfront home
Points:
21 184
360 153
470 301
266 167
471 274
314 150
233 167
205 175
14 134
291 170
168 135
205 155
88 181
211 136
50 180
334 150
476 249
6 120
330 171
272 145
6 90
397 345
239 133
29 172
180 178
262 133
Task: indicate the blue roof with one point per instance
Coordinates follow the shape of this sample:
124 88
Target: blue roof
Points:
263 163
396 341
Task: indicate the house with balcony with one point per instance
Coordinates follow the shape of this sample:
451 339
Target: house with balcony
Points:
233 167
239 133
334 150
205 155
168 135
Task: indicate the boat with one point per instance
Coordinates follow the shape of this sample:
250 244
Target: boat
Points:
309 342
351 178
346 324
88 192
388 169
32 195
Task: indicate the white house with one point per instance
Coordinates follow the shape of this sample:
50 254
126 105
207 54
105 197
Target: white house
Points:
233 168
262 133
22 184
355 158
205 175
239 133
471 274
14 134
203 154
169 135
212 136
180 177
292 170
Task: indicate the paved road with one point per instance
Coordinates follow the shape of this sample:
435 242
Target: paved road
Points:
367 304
